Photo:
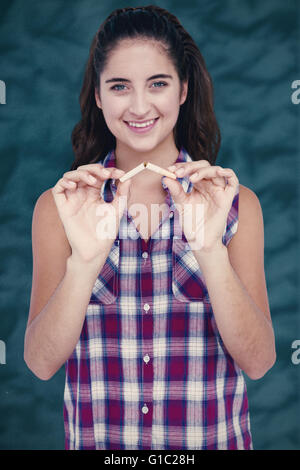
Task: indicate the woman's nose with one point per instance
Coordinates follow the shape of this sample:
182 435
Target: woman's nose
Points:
139 104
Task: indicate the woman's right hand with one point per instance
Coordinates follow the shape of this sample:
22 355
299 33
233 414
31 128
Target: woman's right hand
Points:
85 214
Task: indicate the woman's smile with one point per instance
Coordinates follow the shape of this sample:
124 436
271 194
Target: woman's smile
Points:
141 127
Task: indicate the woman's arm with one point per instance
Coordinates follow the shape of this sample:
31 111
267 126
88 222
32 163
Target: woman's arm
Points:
236 285
61 290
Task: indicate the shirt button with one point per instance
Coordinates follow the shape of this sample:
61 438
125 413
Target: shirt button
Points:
146 358
146 307
171 214
145 254
145 409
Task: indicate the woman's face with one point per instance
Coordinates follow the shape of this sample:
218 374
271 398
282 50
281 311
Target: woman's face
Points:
140 95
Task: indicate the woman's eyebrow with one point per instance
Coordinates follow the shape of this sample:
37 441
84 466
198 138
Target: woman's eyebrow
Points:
161 75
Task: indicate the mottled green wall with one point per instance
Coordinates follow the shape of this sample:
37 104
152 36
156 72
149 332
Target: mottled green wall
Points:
251 48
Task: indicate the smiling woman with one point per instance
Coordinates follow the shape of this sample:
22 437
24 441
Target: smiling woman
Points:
179 58
137 101
155 328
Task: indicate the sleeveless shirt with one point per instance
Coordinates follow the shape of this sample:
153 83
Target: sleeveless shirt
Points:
150 369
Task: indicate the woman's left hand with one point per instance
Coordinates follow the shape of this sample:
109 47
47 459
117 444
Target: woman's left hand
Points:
203 211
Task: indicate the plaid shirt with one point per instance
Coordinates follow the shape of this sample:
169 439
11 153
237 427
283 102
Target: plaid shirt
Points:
150 370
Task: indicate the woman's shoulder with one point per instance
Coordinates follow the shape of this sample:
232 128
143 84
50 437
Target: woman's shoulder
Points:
249 217
46 222
45 198
45 206
249 203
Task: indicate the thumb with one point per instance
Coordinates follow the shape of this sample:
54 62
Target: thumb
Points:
121 197
176 191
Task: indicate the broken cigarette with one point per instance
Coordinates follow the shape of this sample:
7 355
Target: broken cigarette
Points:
148 166
132 172
158 169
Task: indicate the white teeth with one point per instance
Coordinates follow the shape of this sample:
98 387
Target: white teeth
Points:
145 124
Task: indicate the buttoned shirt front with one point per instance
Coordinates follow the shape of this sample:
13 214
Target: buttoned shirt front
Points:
150 369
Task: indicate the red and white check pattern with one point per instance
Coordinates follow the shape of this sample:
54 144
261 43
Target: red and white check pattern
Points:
150 370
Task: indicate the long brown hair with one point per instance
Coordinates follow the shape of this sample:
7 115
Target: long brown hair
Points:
196 129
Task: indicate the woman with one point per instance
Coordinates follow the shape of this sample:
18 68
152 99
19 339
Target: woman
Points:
155 328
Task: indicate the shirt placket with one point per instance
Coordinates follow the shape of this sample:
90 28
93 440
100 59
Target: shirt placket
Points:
146 404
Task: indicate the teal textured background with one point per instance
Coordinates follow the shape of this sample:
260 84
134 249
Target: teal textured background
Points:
251 49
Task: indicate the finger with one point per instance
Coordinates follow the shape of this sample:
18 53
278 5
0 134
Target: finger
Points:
95 170
68 184
63 184
213 175
187 164
90 166
79 176
218 175
178 194
228 173
96 179
183 168
103 172
59 189
211 172
121 197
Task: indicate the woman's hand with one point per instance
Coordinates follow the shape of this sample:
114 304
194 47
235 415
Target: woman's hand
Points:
204 211
90 223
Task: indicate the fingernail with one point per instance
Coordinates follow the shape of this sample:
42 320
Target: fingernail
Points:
105 172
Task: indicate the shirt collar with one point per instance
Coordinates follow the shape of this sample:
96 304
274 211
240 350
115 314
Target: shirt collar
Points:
109 188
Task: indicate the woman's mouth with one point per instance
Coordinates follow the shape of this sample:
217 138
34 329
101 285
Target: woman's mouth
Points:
141 127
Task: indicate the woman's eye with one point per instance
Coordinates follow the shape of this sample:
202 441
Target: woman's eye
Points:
159 83
117 89
121 87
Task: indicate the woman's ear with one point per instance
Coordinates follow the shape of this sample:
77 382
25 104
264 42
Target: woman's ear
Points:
184 92
97 98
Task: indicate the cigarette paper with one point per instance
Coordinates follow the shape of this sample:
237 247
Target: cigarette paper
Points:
158 169
132 172
148 166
